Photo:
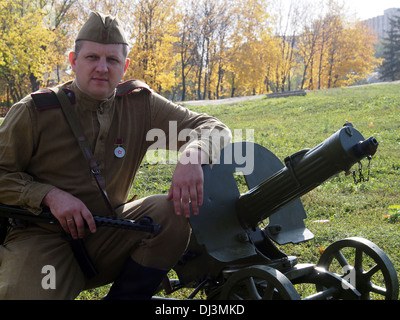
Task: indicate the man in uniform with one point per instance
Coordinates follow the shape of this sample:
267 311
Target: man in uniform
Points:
41 165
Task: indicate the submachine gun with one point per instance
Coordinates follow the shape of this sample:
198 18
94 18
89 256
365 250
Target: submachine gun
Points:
12 216
230 256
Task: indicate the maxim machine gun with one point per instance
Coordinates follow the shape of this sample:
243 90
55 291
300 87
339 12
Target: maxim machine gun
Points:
231 257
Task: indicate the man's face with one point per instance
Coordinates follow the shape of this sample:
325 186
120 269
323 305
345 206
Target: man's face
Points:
99 68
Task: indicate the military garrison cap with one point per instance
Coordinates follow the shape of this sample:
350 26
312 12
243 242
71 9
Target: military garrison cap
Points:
103 29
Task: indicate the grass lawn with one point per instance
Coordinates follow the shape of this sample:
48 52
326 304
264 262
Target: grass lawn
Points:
288 125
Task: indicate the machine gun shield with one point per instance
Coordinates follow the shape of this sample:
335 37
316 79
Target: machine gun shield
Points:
217 227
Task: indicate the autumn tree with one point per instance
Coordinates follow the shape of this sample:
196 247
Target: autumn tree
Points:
205 35
307 52
24 42
206 20
355 58
335 53
153 36
186 47
288 27
60 16
252 47
34 42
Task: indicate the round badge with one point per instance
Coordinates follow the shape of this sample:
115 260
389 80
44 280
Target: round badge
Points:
119 152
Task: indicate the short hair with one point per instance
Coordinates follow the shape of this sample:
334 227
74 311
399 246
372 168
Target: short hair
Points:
79 43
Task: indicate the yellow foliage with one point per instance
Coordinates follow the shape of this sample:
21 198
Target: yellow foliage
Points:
152 58
193 49
27 48
335 54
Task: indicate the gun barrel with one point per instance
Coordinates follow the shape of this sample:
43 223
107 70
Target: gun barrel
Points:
304 171
366 148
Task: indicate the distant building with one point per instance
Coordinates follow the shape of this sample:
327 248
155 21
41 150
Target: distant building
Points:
380 25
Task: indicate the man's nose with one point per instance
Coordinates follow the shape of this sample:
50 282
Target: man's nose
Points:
102 65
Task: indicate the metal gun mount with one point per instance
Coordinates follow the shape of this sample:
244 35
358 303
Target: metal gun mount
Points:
231 257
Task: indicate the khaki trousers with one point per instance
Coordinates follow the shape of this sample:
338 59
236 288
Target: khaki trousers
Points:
37 263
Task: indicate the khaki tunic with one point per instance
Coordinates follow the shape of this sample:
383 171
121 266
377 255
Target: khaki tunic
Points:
38 152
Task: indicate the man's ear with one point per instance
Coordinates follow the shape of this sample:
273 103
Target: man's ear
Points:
126 65
72 60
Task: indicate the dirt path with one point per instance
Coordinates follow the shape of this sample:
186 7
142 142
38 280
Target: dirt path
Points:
238 99
220 101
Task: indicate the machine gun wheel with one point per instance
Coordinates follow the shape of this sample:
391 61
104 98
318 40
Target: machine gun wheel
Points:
364 265
258 283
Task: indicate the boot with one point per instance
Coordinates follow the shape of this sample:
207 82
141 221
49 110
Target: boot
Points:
135 282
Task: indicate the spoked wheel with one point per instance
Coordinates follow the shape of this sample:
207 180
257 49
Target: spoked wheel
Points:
364 265
258 283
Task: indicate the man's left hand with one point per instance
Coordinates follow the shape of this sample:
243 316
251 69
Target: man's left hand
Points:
187 183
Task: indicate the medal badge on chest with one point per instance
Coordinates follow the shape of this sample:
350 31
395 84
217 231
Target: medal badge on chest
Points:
119 151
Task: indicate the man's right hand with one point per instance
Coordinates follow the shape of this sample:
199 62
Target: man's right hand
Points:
70 212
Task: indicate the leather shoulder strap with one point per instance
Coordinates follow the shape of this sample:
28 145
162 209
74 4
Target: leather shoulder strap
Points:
47 99
77 129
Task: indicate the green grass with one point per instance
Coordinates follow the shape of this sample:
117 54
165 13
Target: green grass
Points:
288 125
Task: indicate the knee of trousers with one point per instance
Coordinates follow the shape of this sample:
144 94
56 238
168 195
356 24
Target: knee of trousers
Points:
164 249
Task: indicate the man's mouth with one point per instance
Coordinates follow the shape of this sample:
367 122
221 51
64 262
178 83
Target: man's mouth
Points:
100 79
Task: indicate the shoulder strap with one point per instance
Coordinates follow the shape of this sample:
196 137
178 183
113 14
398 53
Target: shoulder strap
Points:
47 99
83 143
129 86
